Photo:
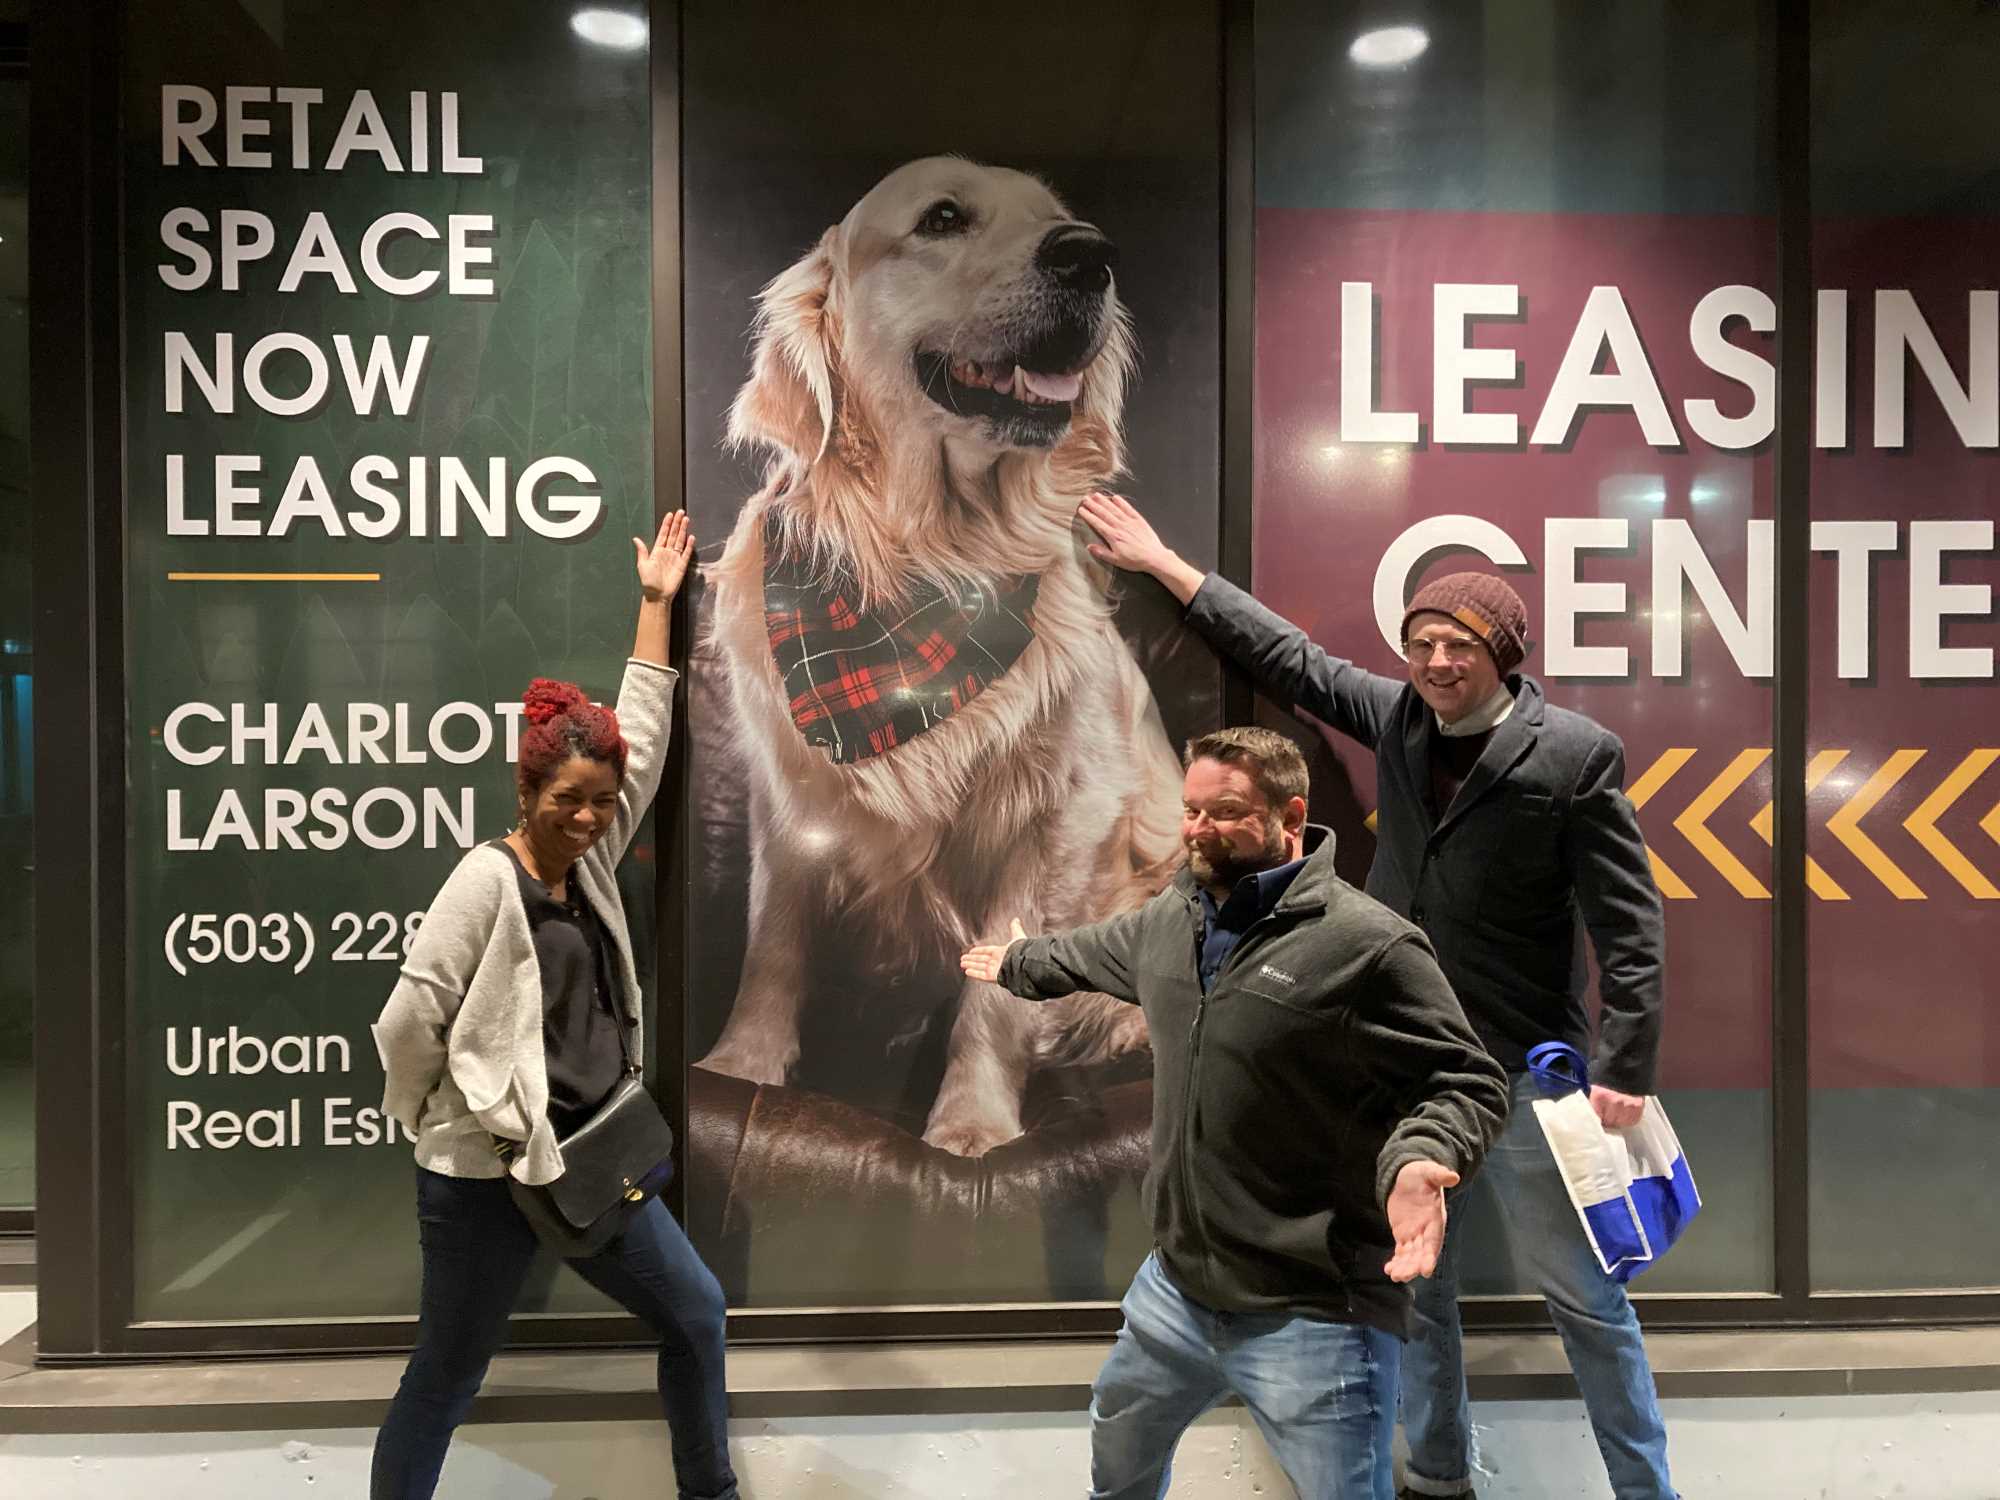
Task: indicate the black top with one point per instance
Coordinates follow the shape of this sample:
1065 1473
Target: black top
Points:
1452 758
579 1031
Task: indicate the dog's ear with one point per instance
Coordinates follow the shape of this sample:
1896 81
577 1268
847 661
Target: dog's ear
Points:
787 403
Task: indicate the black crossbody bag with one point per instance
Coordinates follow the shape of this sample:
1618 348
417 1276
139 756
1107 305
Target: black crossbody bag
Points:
612 1163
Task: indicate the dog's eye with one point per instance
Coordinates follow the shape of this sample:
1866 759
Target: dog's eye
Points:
942 218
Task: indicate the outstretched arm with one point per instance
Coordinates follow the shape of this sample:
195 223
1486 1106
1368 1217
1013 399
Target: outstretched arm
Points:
983 960
1098 957
1129 542
1283 659
646 696
662 568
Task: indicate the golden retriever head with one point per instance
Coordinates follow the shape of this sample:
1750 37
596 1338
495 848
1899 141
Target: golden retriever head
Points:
958 306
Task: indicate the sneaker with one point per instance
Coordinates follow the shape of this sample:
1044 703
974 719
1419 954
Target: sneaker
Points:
1410 1494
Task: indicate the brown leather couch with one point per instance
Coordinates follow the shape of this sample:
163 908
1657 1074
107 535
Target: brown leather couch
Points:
792 1193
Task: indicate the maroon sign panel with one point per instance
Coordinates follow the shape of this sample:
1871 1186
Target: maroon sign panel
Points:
1587 402
1905 839
1437 388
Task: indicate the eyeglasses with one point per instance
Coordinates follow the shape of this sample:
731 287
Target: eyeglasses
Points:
1456 648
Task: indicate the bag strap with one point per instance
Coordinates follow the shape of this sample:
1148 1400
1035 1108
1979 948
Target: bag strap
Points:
1558 1069
606 968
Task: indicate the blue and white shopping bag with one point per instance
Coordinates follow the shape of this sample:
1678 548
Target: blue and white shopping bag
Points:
1631 1186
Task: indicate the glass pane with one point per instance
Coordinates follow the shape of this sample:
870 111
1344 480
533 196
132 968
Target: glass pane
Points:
838 882
17 668
462 252
1503 309
1905 737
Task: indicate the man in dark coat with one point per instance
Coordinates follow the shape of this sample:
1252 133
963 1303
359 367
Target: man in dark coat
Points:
1503 831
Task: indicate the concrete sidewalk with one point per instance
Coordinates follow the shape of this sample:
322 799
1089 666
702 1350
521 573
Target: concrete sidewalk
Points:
537 1438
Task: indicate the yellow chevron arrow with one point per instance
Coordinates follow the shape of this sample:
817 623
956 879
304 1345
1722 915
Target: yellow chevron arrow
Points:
1923 824
1693 824
1845 825
1818 881
1657 775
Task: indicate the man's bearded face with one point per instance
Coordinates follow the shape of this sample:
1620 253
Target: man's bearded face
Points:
1228 825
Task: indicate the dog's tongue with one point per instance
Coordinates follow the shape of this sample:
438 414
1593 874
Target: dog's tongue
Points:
1050 387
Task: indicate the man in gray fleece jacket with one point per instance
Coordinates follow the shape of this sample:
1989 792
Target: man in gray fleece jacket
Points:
1315 1090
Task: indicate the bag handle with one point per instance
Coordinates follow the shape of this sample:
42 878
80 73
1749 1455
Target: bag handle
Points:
1558 1069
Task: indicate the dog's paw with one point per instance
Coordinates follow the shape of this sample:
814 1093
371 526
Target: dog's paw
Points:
752 1060
970 1121
969 1137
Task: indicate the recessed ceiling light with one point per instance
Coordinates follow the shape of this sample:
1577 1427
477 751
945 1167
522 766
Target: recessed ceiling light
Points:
617 29
1389 47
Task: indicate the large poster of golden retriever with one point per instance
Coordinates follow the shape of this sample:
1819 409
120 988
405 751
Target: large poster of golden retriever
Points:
919 711
921 658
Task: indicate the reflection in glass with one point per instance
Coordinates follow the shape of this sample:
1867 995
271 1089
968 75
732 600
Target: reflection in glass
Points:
1463 221
1902 773
17 667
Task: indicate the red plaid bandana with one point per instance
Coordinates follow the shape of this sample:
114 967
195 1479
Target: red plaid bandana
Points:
862 684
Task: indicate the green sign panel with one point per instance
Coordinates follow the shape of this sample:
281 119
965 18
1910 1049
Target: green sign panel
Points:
388 411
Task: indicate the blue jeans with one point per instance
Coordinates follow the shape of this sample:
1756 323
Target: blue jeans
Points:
1324 1394
476 1253
1545 1241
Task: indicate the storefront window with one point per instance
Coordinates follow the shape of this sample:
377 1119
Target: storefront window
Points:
1904 773
1513 272
387 295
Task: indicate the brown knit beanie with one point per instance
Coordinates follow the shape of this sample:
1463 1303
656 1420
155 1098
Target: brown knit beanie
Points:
1485 605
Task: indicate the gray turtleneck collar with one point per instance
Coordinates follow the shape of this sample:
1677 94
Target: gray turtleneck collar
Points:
1489 715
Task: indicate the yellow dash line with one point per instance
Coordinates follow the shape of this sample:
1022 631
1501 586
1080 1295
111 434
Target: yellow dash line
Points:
274 578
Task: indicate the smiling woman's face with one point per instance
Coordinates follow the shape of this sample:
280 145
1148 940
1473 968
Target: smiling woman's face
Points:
571 811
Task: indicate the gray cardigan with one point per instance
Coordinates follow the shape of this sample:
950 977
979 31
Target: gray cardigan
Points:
1540 847
461 1036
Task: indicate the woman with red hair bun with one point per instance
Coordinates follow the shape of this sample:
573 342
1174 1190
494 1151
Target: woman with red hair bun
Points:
515 1018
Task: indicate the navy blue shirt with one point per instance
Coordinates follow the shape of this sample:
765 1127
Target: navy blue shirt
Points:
1223 928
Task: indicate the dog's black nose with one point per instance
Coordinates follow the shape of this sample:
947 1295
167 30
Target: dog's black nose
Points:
1078 257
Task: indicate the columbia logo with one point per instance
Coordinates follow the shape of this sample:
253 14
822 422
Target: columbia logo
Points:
1269 972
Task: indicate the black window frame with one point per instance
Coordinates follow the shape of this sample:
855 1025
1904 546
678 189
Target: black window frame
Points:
83 1219
15 1219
